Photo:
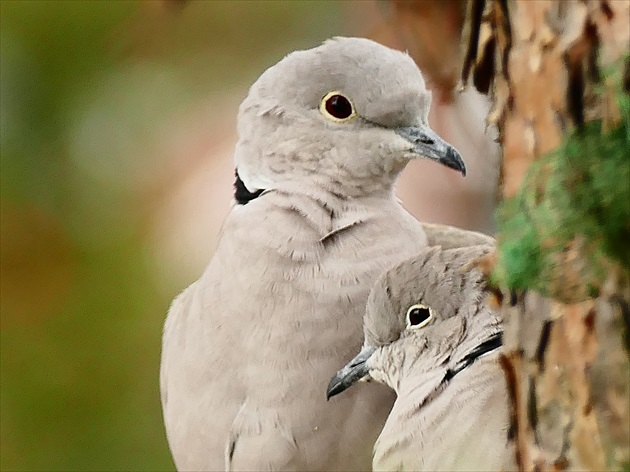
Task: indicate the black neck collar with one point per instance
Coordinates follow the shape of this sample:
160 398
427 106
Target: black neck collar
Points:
241 194
492 343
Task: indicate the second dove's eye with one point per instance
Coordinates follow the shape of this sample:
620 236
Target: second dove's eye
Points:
418 316
337 107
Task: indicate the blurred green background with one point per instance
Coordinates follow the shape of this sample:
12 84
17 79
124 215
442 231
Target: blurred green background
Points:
106 107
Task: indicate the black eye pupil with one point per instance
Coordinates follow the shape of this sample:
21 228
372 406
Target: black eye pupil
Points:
339 106
418 316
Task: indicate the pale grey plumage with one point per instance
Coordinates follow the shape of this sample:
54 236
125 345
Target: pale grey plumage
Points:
451 407
248 348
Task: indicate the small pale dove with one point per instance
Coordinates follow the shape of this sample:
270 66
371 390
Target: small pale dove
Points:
248 348
431 337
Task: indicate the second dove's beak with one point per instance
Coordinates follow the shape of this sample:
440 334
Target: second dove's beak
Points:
428 144
353 371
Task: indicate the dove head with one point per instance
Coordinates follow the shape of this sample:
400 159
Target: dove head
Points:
346 116
442 284
426 314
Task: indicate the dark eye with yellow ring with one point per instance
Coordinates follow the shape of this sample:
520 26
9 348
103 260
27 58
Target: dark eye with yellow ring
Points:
418 316
337 107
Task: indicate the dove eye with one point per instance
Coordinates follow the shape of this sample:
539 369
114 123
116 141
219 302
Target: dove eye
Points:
336 107
418 316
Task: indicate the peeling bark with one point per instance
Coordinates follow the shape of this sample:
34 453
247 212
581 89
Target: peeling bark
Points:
566 364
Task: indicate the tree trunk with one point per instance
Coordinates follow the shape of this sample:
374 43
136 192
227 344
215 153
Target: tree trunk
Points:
559 83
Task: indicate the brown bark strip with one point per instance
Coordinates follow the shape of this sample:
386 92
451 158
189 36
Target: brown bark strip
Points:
566 366
511 367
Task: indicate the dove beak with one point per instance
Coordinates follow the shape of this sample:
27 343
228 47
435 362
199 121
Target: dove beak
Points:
355 370
427 143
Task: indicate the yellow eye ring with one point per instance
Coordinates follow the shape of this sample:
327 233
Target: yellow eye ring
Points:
418 316
337 107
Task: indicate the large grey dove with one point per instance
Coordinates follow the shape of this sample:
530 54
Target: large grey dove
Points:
431 336
249 347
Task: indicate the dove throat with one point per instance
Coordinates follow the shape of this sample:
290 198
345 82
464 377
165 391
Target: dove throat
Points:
421 419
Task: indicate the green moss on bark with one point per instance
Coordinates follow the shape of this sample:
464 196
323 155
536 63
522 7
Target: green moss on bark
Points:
571 219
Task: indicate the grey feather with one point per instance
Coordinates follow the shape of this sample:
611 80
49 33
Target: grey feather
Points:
449 237
451 406
248 348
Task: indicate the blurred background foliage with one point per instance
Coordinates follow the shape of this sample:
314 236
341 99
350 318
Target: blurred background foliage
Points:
98 100
117 130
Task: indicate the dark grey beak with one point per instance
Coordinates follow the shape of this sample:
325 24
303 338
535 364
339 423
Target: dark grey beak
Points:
428 144
353 371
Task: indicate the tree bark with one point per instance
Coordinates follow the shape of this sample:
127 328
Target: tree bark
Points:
566 354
